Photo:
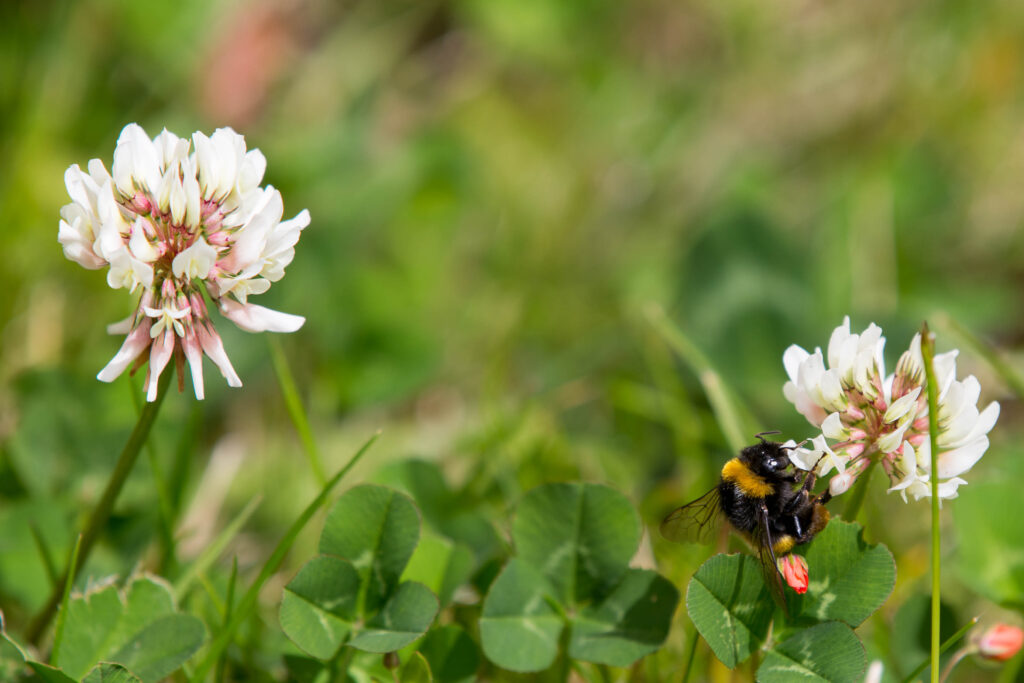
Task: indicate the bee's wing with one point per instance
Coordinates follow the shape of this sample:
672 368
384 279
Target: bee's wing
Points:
694 522
766 557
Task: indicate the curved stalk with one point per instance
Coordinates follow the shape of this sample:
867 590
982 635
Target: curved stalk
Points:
101 513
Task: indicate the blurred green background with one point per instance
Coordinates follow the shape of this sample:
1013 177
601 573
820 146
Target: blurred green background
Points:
500 191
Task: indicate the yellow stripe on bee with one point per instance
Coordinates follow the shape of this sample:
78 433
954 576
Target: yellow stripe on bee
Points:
735 472
783 545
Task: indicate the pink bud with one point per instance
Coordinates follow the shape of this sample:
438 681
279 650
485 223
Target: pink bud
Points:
1000 642
140 203
794 570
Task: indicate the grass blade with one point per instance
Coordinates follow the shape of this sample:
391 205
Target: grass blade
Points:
213 550
62 615
295 409
729 415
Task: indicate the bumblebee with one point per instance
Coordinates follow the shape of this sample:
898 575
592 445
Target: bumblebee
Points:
771 506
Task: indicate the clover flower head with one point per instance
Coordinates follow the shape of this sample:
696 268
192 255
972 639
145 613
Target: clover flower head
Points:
865 413
174 219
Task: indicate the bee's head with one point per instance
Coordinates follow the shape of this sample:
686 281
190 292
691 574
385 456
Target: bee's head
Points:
766 457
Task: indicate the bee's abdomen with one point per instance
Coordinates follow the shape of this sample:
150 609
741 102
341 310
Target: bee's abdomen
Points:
751 484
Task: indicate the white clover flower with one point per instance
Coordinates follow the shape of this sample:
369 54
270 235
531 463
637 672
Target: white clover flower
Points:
869 415
174 218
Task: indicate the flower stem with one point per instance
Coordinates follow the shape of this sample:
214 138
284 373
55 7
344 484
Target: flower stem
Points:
945 646
928 354
101 513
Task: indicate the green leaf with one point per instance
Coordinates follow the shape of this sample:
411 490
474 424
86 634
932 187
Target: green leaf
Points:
162 647
730 605
631 622
828 652
441 565
376 529
416 670
849 579
453 513
319 605
579 536
111 673
406 616
519 630
50 674
137 628
452 654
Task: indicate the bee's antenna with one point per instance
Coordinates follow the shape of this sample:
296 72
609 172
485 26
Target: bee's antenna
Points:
763 434
795 446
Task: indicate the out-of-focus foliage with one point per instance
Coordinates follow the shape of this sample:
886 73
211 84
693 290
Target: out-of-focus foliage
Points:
499 190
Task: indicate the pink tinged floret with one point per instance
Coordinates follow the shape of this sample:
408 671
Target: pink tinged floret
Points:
159 356
134 344
253 318
194 355
213 347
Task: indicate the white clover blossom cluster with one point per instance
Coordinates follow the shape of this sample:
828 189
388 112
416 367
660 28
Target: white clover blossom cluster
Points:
866 414
174 218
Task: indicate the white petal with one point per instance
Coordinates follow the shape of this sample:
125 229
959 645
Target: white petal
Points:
140 245
136 162
253 318
195 262
792 359
834 428
959 460
901 406
839 337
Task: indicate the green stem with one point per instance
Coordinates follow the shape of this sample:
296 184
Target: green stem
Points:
58 636
293 402
945 646
928 353
248 601
101 513
860 490
691 651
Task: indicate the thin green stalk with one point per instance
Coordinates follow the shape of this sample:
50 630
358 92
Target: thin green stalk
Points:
730 417
945 646
44 553
294 404
928 353
222 663
691 651
59 634
248 602
213 550
860 490
101 513
159 484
